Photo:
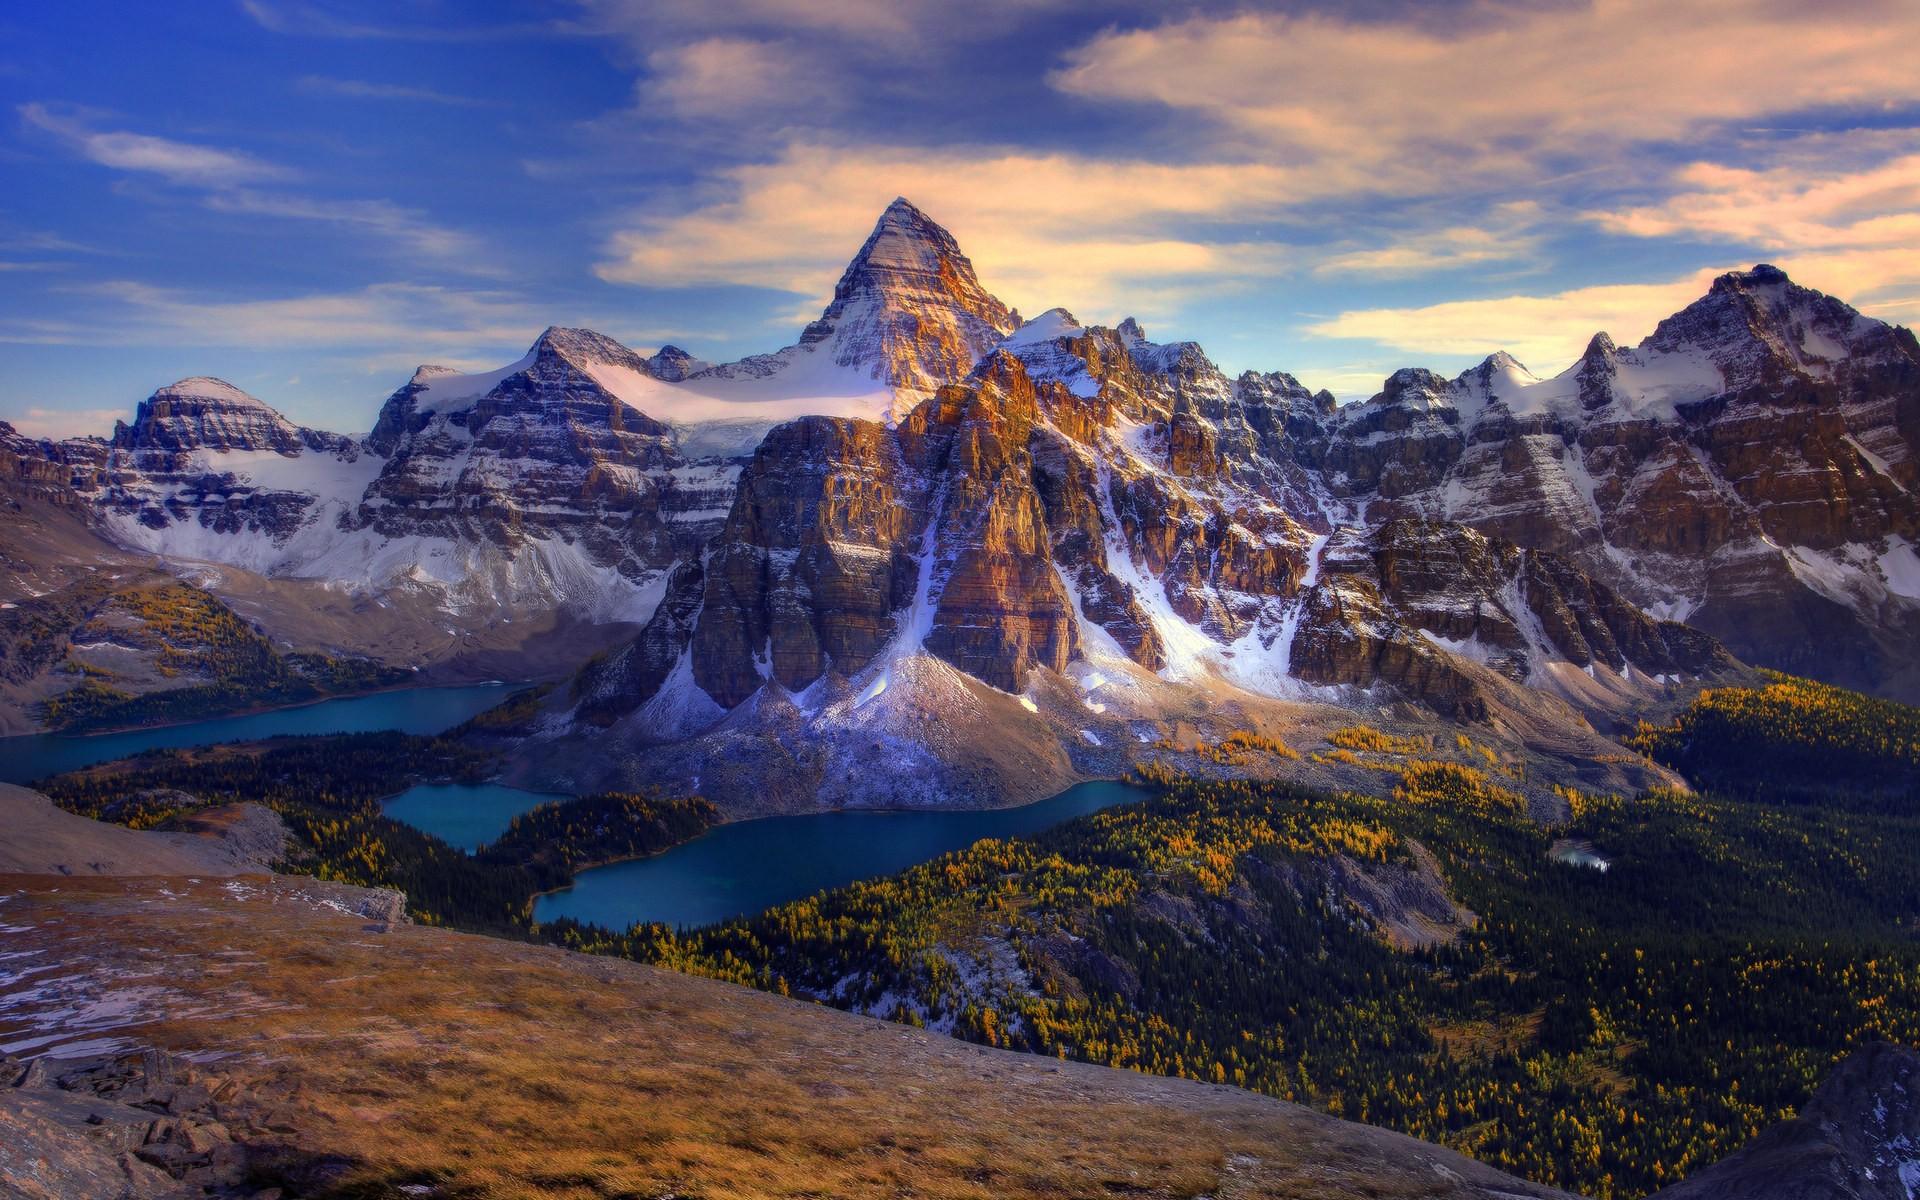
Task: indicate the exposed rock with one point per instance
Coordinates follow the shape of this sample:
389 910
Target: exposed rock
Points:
1751 467
908 313
1857 1138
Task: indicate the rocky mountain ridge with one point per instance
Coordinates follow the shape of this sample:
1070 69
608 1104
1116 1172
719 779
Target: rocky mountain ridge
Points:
970 499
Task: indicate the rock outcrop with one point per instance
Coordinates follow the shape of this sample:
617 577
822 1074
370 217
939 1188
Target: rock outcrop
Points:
908 313
1011 498
1857 1138
1750 468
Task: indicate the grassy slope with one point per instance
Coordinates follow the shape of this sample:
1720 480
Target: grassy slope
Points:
497 1069
1608 1032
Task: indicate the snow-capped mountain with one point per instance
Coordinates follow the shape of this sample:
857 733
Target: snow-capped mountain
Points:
908 315
926 508
1095 508
1751 467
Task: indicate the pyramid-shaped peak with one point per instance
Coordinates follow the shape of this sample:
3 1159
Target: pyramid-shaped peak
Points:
908 312
906 239
905 212
1501 362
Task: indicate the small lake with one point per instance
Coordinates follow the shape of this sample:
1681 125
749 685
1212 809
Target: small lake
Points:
749 866
1578 854
467 815
414 710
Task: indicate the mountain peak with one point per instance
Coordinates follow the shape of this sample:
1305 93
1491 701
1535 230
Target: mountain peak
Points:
1762 275
1755 324
205 413
909 310
208 388
905 239
582 345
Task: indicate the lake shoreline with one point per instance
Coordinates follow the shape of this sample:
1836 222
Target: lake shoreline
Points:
258 710
741 867
417 711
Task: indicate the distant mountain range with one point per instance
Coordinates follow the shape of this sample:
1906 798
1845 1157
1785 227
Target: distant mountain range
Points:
930 522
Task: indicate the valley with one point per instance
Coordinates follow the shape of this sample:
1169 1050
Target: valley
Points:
1057 728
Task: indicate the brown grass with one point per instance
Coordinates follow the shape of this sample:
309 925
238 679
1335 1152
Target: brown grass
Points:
502 1069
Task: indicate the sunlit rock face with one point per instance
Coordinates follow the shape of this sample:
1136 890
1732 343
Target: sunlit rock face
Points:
1006 498
908 315
202 454
1750 468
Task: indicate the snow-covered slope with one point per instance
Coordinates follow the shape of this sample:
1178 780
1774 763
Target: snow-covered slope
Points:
924 479
1752 467
908 315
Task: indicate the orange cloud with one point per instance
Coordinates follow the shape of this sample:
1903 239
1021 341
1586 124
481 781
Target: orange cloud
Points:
1095 235
1509 87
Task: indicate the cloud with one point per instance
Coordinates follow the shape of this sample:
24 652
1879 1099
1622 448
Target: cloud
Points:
1545 332
302 19
405 226
1785 206
1104 237
63 422
228 181
177 162
1840 212
849 22
731 77
420 320
1853 227
1507 237
1505 89
360 89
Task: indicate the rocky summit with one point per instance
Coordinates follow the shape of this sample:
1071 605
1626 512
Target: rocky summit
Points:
929 522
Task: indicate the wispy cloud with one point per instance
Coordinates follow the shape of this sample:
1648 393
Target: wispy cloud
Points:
1507 89
401 225
1545 332
177 162
304 19
1508 236
63 422
731 77
361 89
1856 222
421 319
230 182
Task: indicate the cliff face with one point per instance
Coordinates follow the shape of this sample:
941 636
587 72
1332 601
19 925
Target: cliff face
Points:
1042 498
1749 468
1089 507
1857 1138
908 314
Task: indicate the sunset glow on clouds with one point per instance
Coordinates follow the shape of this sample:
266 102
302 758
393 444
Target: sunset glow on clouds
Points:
1336 191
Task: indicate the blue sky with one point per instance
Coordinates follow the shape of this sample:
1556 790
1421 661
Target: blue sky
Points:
309 198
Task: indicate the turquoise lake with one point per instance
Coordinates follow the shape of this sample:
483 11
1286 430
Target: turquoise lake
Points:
735 869
416 710
467 815
752 865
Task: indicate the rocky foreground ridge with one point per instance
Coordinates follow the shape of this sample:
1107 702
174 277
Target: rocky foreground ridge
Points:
927 503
